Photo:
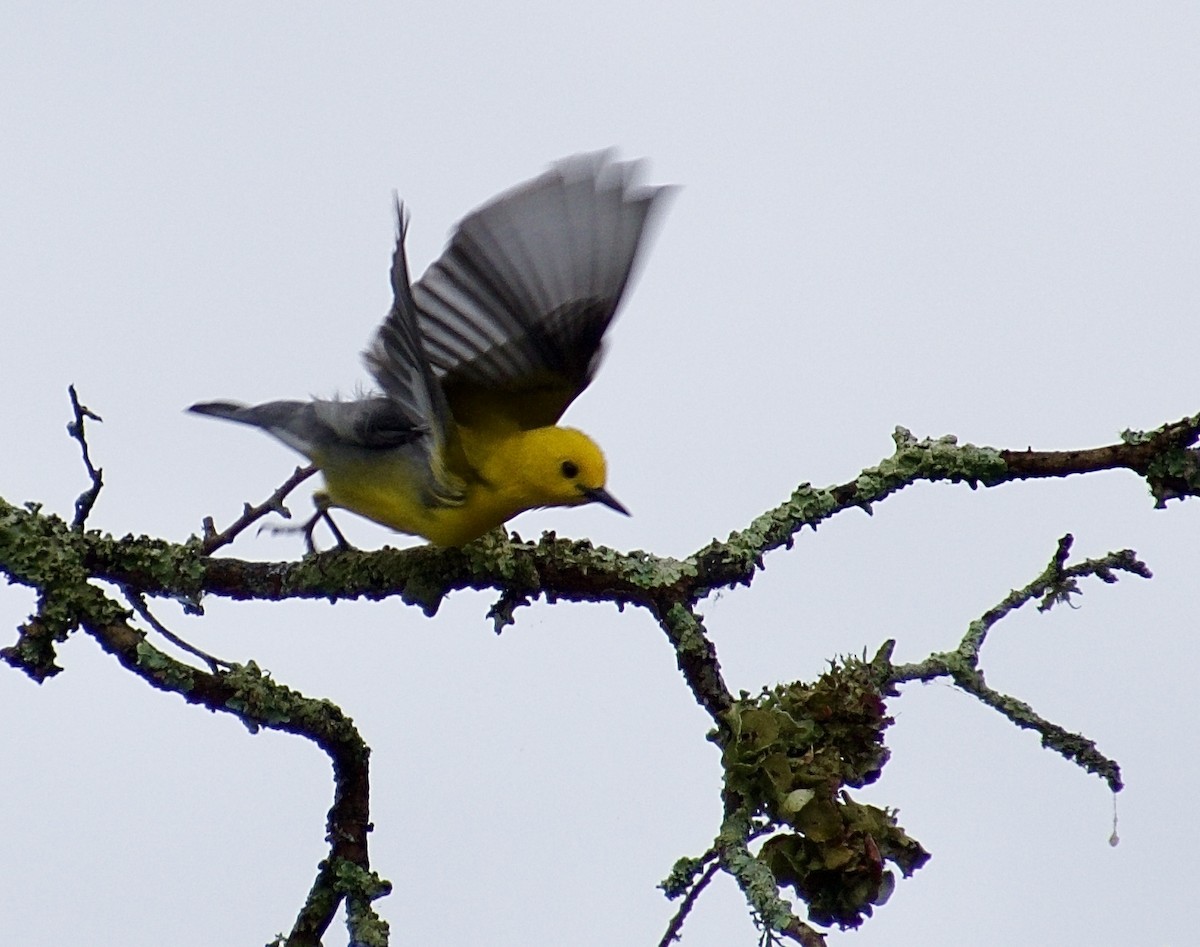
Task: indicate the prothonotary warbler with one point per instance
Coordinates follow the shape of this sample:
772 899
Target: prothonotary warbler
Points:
478 360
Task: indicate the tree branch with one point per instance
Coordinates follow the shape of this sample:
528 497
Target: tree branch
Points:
254 698
87 499
48 555
1165 457
675 925
788 751
1055 585
212 540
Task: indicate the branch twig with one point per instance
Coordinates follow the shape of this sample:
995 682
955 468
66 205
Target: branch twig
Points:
140 606
86 500
251 514
685 907
1055 585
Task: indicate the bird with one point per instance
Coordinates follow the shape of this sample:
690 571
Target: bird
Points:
477 361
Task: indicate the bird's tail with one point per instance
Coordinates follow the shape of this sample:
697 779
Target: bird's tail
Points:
292 422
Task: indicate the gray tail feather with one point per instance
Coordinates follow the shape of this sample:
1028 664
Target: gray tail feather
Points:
229 410
293 422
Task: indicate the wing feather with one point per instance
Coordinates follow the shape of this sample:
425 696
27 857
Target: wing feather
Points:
521 298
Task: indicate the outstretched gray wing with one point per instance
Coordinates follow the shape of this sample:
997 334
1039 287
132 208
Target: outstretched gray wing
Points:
411 416
412 412
520 300
399 364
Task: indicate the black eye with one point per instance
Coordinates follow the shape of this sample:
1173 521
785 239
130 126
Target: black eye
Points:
570 469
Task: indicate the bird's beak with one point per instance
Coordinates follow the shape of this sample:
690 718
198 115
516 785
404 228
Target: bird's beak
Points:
600 495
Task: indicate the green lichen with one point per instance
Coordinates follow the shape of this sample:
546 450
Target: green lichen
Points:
1174 474
166 670
360 887
836 859
787 754
258 699
683 875
941 458
687 634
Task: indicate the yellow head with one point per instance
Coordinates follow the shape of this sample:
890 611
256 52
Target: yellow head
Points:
560 466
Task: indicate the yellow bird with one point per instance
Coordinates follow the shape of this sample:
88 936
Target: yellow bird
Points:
478 360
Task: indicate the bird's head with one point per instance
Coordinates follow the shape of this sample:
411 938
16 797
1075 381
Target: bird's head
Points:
564 467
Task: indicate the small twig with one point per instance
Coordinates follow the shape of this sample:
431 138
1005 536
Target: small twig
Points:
1054 586
87 499
251 514
140 606
1057 583
33 652
1073 747
804 935
502 611
675 886
685 908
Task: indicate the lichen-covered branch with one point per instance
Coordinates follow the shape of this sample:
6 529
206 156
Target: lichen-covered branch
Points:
755 879
693 889
578 571
50 556
1165 457
248 692
696 657
789 754
1057 583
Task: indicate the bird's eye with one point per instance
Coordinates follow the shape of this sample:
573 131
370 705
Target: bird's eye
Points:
570 469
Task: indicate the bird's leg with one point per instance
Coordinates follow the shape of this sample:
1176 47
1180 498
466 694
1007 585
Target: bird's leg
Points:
323 513
321 502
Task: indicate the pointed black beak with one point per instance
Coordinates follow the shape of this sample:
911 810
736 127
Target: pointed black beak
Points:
600 495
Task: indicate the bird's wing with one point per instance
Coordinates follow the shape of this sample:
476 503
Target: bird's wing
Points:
412 412
408 427
399 364
514 311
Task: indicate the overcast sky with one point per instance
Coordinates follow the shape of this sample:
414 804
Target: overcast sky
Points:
962 218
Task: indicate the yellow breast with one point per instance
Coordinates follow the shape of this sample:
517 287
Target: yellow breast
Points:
502 473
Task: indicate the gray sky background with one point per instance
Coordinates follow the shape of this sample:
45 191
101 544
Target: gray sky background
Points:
963 218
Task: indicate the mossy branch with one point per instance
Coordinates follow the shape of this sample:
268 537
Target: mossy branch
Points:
1057 583
789 753
249 693
47 554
